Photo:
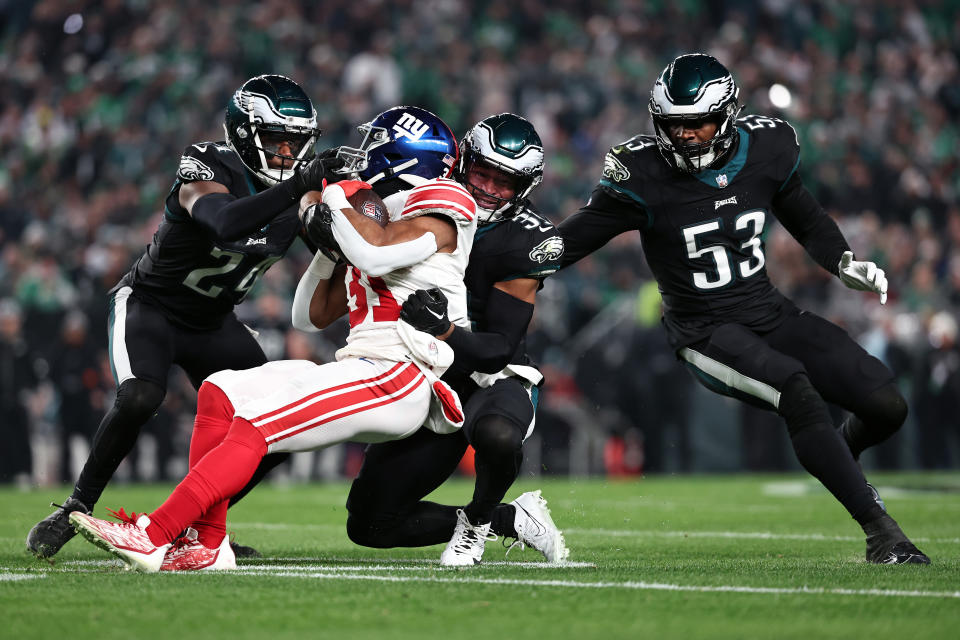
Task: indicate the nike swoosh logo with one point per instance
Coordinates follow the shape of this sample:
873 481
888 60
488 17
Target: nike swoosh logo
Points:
438 316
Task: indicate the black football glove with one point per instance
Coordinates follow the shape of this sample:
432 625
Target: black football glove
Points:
315 174
426 310
317 223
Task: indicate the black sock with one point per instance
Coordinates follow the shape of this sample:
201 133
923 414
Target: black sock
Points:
502 521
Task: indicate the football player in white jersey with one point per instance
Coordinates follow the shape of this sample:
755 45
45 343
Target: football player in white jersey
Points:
385 383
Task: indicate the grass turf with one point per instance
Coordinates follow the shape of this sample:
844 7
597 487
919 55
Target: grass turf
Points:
678 557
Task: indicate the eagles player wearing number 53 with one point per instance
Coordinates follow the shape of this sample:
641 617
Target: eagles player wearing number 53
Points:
701 192
230 215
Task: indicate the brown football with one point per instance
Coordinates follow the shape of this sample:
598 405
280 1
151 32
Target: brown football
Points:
368 203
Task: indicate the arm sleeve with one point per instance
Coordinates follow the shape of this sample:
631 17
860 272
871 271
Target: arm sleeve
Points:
320 268
605 216
490 351
230 218
378 261
805 219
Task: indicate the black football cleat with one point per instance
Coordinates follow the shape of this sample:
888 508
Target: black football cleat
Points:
242 551
887 544
50 534
903 553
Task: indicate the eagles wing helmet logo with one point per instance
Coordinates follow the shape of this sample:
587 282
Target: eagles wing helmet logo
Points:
614 169
192 169
549 249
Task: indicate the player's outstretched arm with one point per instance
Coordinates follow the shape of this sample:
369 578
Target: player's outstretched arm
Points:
230 218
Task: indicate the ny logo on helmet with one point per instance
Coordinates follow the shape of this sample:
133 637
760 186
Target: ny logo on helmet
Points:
614 169
549 249
410 126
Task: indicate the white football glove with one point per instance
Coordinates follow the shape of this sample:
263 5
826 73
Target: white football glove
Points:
863 276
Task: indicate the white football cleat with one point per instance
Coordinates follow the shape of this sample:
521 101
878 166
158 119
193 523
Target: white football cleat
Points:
465 548
188 554
535 528
128 540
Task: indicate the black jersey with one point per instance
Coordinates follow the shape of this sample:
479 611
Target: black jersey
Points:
526 245
193 277
703 233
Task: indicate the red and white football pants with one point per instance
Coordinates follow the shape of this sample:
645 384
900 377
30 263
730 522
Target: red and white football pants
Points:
306 407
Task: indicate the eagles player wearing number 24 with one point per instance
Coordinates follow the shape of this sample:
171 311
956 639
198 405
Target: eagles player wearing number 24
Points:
230 215
701 192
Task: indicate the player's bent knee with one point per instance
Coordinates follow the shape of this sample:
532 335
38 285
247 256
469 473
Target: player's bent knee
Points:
139 399
801 405
494 435
887 409
241 431
370 532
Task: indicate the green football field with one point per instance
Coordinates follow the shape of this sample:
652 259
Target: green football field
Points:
662 557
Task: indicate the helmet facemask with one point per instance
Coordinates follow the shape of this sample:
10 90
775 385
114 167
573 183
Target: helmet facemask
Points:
357 159
491 206
691 91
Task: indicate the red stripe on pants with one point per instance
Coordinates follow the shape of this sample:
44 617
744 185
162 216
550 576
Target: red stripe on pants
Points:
338 404
346 385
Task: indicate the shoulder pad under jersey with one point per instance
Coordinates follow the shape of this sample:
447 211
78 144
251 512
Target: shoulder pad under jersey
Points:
441 196
205 161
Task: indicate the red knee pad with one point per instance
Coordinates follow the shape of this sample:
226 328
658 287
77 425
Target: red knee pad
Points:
212 403
242 432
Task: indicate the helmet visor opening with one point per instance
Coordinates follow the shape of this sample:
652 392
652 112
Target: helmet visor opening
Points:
282 149
489 184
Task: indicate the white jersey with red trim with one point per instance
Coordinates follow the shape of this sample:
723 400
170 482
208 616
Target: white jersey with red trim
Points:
374 302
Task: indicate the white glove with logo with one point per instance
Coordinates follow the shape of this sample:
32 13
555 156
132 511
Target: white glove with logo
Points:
863 276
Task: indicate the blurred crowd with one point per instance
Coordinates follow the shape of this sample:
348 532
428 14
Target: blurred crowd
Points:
100 97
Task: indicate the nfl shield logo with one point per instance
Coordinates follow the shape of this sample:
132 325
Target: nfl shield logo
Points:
722 180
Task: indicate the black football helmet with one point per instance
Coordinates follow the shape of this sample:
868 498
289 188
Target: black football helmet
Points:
268 112
692 89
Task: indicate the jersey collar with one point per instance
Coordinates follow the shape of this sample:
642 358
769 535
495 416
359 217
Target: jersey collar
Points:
725 174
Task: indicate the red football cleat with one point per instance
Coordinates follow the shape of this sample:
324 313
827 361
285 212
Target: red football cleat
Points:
128 540
188 554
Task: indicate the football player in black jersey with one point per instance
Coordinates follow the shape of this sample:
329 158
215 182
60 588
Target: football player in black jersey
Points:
514 249
231 214
701 192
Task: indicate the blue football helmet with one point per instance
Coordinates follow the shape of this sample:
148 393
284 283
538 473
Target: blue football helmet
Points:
400 142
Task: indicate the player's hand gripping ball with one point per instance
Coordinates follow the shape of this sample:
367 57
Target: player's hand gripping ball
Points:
318 217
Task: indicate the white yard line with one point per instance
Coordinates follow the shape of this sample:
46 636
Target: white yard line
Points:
15 577
330 573
355 572
752 535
